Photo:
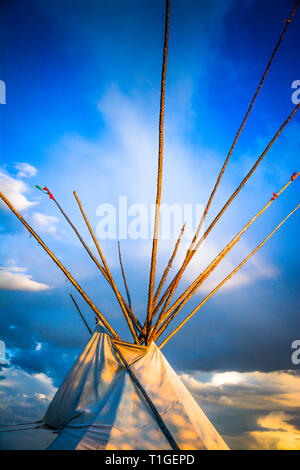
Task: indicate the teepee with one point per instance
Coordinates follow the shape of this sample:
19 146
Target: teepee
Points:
122 395
99 406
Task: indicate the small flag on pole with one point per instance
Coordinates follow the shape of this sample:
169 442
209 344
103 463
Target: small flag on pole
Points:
45 190
49 194
274 197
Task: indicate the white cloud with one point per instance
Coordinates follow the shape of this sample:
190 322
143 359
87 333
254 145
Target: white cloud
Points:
45 223
13 268
14 278
25 170
15 191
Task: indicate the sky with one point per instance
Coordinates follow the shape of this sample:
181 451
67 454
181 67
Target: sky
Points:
82 101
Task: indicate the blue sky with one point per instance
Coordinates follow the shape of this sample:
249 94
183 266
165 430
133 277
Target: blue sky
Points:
82 81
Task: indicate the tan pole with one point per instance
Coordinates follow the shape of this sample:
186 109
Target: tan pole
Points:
225 280
79 311
81 240
190 291
103 271
164 277
190 251
166 271
160 168
130 311
248 175
124 276
117 293
172 287
287 23
60 265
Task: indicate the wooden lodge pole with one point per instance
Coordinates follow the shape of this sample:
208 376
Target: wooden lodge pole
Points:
226 279
60 265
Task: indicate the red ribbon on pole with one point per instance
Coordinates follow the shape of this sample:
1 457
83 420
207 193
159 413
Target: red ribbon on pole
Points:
274 197
49 194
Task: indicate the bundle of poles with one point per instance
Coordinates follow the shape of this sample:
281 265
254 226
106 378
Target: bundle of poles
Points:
161 308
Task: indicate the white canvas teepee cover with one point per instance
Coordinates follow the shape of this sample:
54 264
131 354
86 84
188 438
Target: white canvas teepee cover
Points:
99 407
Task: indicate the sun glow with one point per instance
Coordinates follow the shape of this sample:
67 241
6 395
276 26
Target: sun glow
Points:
226 378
